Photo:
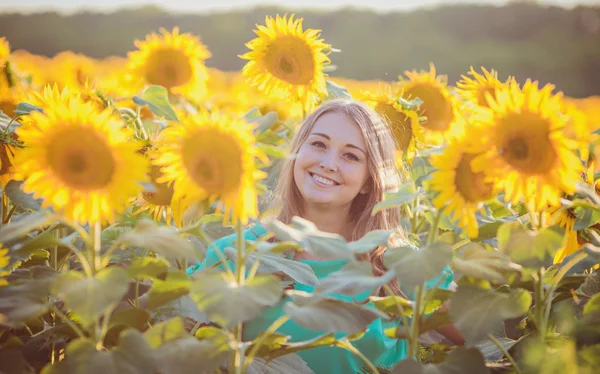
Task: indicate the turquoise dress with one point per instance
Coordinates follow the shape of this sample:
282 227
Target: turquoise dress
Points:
381 350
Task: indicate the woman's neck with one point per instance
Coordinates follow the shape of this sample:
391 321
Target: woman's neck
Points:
329 220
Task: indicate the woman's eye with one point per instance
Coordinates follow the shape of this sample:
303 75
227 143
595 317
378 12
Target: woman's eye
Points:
318 144
352 156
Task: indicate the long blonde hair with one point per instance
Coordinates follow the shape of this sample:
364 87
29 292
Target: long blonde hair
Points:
384 177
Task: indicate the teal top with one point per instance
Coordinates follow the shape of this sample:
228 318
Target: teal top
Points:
381 350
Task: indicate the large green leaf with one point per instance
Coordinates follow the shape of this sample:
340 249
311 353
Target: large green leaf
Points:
90 297
592 305
527 247
131 356
21 199
330 315
226 302
160 239
335 91
476 312
157 99
147 268
172 288
24 224
22 301
268 263
416 266
460 360
127 318
353 279
189 356
474 260
370 241
165 331
305 233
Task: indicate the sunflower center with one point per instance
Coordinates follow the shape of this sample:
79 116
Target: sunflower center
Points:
472 186
169 68
214 163
524 143
291 60
399 123
436 107
164 191
81 159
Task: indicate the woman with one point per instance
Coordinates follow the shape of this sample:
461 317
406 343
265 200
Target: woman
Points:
343 166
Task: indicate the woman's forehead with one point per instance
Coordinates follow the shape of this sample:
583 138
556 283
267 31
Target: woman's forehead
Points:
340 128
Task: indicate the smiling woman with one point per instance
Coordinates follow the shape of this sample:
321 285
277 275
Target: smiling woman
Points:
342 165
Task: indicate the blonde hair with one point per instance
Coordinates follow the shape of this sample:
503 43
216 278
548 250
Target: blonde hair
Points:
384 177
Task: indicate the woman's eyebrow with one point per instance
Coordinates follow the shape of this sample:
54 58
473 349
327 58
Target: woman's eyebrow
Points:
347 145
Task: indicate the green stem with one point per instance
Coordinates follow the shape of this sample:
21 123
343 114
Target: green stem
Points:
539 305
218 252
506 354
104 330
434 228
5 131
9 215
413 345
240 270
271 330
368 362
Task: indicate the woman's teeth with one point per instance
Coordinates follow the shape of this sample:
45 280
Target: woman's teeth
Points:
325 181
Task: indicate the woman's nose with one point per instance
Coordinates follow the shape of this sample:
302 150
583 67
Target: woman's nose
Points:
328 162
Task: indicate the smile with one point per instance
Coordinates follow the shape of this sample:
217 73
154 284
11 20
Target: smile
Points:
322 180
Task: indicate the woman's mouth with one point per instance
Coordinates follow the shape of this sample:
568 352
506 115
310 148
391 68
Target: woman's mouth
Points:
323 181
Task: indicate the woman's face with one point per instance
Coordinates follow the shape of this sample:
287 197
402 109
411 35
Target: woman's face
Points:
331 164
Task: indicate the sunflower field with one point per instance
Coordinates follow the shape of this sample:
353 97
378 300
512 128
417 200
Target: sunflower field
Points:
118 174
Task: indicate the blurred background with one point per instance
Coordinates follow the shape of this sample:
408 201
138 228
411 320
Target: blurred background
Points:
555 41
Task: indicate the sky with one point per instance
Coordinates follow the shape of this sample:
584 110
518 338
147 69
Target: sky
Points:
195 6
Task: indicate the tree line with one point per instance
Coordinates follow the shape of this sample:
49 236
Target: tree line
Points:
545 43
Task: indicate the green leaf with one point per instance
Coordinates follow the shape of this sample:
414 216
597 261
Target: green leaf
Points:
330 315
414 267
160 239
586 217
406 194
25 224
389 305
474 260
26 108
172 288
327 339
476 312
277 247
21 199
21 301
227 303
335 91
147 268
264 122
131 356
107 287
592 305
157 99
353 279
527 247
491 352
370 241
460 360
165 331
305 233
298 271
189 356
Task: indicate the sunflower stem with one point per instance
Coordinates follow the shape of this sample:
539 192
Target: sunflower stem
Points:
506 354
413 345
236 364
351 348
5 131
434 228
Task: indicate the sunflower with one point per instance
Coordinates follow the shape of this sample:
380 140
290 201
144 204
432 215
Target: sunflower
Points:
476 89
439 107
523 146
4 261
156 203
565 218
80 160
460 188
9 145
174 61
211 156
402 117
286 62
